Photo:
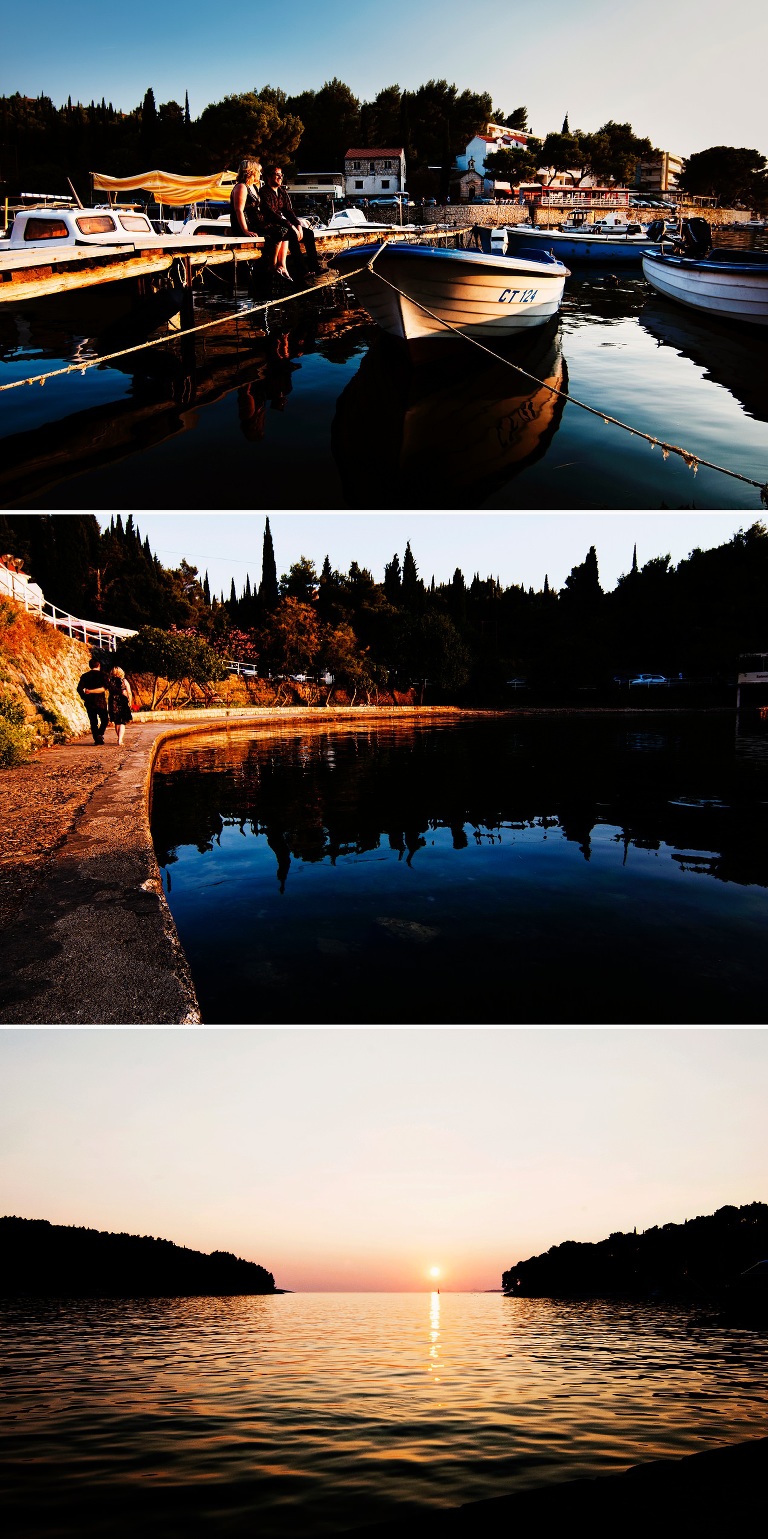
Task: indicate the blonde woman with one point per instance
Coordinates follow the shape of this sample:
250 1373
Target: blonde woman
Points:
120 703
247 217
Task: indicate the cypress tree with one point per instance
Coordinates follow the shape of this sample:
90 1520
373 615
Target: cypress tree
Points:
411 584
393 581
206 590
268 592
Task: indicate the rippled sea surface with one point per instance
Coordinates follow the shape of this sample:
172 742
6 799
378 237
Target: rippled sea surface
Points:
493 870
319 412
307 1414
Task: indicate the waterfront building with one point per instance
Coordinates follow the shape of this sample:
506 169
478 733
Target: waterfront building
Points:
374 173
659 173
493 137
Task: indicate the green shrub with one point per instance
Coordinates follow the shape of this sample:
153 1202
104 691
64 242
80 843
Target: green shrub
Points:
11 709
14 743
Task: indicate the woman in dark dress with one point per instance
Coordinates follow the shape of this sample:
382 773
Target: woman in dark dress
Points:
246 217
120 702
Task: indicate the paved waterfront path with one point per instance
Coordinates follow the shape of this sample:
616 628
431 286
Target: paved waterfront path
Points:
87 935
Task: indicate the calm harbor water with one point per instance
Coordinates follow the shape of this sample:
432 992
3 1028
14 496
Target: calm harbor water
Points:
309 1413
513 869
321 413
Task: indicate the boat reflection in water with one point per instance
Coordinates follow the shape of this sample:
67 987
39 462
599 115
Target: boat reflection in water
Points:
731 355
452 432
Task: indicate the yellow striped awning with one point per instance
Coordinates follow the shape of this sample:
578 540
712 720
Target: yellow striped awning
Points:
168 187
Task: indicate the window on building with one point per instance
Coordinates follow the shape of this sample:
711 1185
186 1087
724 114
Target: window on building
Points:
384 183
358 186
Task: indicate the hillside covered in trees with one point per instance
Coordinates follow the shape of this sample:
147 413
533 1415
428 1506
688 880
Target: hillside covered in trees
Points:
41 145
458 641
698 1257
60 1260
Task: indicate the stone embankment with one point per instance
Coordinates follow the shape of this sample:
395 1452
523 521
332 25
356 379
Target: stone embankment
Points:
39 670
458 215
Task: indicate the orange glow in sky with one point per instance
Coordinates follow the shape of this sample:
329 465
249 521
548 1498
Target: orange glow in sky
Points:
349 1160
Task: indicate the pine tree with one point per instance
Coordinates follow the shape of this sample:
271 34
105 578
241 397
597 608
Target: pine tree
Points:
269 593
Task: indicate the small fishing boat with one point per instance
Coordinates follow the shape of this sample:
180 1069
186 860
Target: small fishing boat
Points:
613 244
411 292
716 280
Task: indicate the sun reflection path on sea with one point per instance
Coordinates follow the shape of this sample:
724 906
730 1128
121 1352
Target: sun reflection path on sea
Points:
305 1414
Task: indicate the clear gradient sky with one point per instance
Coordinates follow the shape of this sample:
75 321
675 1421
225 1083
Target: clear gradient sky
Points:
516 547
688 75
359 1159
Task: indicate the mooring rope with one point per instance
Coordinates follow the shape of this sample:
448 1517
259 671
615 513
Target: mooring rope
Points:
191 331
693 461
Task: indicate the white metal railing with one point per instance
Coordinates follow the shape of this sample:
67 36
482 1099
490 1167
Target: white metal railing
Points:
95 633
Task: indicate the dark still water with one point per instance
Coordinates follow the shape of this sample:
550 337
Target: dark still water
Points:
320 413
489 870
310 1413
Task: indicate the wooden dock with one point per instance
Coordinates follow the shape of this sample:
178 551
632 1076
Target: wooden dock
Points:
37 274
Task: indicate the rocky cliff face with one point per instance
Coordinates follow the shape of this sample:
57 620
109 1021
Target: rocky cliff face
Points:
39 670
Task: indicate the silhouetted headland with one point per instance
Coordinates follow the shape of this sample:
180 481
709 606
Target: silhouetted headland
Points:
63 1261
719 1258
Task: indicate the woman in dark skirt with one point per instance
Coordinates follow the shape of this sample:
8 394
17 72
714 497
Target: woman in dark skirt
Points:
120 702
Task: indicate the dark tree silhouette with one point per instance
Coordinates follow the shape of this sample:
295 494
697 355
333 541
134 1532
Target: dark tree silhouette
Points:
269 593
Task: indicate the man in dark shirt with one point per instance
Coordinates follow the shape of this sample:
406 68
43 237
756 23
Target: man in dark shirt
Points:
92 690
277 207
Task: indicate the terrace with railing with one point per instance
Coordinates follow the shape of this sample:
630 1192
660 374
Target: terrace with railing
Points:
15 584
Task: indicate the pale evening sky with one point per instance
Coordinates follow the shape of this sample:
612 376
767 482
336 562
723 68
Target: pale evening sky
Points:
687 74
516 547
360 1159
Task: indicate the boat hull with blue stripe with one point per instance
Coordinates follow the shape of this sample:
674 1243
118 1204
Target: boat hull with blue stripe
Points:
580 246
422 293
731 284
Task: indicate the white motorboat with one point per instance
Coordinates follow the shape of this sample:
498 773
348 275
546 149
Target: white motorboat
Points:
716 280
411 291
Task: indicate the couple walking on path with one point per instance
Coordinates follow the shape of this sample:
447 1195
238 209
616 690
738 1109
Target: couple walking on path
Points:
107 698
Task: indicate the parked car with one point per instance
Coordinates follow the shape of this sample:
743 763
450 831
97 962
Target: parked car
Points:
649 678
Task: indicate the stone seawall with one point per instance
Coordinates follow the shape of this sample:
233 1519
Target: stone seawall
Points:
457 215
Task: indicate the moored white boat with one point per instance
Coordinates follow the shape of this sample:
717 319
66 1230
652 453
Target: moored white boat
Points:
589 243
732 284
487 297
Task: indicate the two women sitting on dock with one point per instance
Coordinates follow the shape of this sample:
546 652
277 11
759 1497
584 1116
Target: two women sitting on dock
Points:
248 216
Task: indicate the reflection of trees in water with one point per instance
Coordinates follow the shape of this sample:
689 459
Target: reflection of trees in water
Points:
326 797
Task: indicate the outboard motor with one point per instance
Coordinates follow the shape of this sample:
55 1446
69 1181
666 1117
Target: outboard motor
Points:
499 241
697 238
656 230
